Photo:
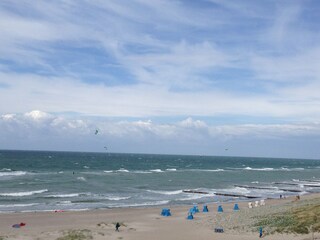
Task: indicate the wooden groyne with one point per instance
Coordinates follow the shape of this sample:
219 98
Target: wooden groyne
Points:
220 194
270 188
286 183
255 187
235 195
291 190
297 184
194 191
310 180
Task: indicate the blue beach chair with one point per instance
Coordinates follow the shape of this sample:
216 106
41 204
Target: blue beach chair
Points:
205 208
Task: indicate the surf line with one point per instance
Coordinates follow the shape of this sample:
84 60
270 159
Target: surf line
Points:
220 194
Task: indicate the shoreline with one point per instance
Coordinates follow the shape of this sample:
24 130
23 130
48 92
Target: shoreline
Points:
146 222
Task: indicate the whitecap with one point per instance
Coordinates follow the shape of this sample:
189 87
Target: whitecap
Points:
15 173
18 205
259 169
156 170
193 197
106 171
5 170
65 203
21 194
143 204
64 195
142 172
171 169
123 170
117 198
82 178
238 190
206 170
166 192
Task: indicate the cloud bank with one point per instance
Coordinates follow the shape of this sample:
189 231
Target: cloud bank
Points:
187 136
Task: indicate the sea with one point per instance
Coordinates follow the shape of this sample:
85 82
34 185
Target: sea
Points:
75 181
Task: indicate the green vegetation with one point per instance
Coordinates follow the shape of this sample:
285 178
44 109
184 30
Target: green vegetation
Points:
300 220
77 235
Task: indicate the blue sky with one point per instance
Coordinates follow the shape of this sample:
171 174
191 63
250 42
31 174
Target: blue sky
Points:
182 77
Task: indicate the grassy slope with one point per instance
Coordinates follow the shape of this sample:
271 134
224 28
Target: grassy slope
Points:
301 219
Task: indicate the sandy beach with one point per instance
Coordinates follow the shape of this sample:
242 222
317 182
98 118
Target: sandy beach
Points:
147 223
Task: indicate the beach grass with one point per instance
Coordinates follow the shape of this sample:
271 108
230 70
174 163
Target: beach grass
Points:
77 235
301 219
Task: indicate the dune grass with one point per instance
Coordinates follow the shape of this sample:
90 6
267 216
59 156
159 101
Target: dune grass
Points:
77 235
301 220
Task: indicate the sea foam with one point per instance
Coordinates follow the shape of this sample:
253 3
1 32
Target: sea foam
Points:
21 194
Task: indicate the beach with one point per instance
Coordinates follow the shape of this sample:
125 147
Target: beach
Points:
147 223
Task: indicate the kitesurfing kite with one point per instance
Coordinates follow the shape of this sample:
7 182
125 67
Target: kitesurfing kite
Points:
97 131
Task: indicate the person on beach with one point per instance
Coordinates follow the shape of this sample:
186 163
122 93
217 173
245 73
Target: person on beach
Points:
117 227
260 232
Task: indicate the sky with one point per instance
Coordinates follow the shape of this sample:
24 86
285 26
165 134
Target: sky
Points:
205 77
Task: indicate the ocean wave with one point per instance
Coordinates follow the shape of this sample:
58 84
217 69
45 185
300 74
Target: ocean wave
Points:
117 198
171 169
238 190
193 196
166 192
18 205
268 169
291 169
123 170
259 169
64 203
142 172
82 179
64 195
5 170
108 171
21 194
155 203
156 170
12 173
205 170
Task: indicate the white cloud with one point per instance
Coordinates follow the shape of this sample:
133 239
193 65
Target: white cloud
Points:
37 115
78 133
